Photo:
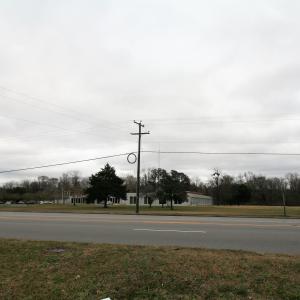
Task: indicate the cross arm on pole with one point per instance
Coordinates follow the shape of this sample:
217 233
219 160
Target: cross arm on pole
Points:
148 132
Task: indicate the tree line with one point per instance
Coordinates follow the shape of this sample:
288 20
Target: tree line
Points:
170 187
44 188
250 188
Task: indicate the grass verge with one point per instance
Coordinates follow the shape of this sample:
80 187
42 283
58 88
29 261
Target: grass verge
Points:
230 211
37 270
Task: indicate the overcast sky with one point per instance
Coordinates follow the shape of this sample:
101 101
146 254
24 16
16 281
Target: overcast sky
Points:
214 76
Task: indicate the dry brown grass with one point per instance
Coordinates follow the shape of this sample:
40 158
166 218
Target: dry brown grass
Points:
246 211
89 271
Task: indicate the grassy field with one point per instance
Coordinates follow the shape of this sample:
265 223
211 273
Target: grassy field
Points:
38 270
250 211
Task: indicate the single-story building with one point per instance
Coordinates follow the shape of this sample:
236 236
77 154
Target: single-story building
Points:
75 199
131 200
193 198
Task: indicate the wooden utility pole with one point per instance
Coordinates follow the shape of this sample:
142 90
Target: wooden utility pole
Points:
216 176
140 133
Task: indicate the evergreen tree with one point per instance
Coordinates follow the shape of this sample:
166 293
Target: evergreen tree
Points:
105 184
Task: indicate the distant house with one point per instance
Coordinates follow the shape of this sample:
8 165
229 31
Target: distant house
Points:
193 198
74 199
110 200
131 200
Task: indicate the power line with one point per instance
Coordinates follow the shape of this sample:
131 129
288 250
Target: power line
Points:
224 119
33 122
224 153
149 151
86 131
36 99
271 117
38 107
69 112
64 113
220 142
40 100
65 163
41 134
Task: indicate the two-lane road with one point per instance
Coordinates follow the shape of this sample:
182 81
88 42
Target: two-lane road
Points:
253 234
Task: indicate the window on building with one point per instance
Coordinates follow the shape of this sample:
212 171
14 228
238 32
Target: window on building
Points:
132 200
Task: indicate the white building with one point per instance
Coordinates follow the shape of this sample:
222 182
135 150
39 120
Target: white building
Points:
193 198
75 199
131 200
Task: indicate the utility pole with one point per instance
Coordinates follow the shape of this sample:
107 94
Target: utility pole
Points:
140 133
283 197
216 176
62 194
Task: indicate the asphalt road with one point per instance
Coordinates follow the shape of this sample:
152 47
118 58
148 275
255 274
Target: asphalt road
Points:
253 234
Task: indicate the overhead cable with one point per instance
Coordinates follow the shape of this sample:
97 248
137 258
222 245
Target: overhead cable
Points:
148 151
65 163
225 153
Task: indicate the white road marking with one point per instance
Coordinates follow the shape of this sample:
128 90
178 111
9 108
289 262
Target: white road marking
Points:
169 230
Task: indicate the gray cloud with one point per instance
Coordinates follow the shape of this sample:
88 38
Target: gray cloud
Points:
204 76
